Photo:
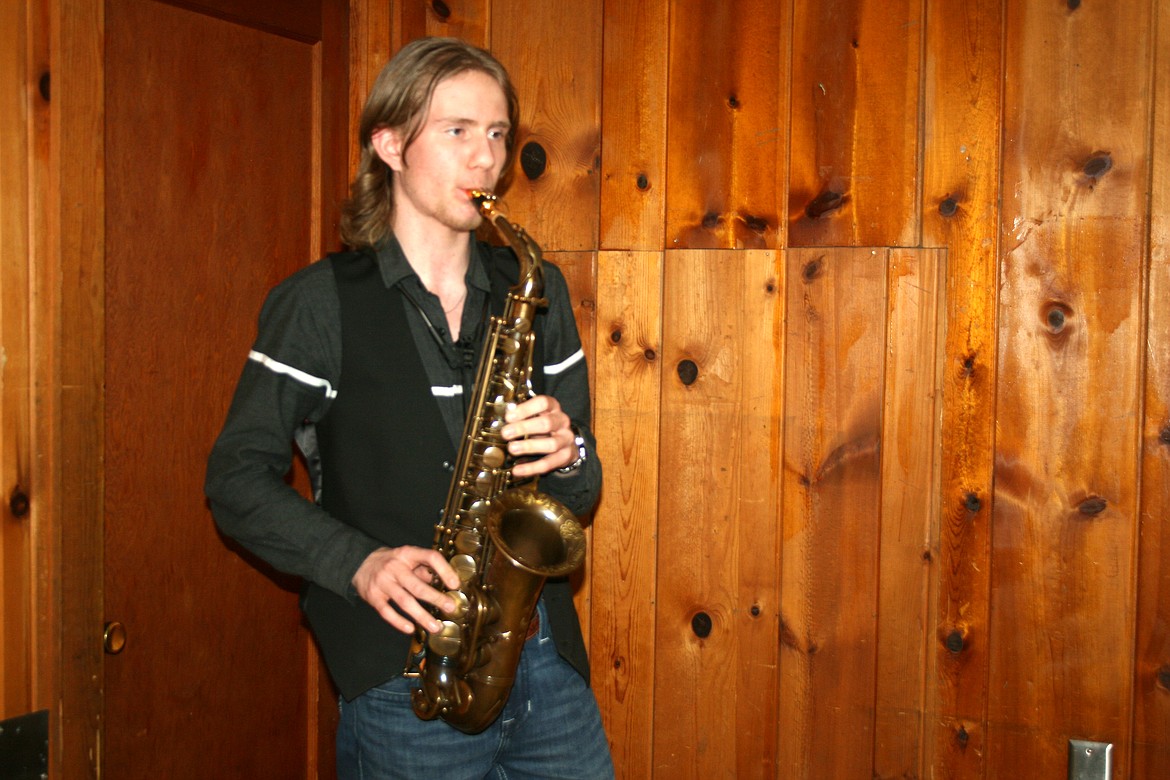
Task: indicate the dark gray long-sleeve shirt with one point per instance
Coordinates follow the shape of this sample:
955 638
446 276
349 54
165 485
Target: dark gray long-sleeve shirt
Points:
292 376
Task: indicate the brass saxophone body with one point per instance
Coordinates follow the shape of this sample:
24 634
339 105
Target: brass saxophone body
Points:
503 538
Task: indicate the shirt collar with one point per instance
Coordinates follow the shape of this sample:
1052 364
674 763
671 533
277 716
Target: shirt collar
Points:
395 268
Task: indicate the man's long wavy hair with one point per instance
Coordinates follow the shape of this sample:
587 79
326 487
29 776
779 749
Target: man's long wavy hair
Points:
399 100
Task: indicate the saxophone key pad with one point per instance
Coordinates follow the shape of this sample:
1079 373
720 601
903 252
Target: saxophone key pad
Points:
485 483
464 566
447 640
493 456
468 542
462 604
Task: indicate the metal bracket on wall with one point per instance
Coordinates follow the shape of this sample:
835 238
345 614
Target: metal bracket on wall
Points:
1090 760
24 746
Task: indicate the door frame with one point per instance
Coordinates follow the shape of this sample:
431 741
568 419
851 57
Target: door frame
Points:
66 45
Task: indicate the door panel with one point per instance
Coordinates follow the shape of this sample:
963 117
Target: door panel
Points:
210 200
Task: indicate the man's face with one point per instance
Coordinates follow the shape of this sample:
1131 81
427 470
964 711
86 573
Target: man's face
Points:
462 145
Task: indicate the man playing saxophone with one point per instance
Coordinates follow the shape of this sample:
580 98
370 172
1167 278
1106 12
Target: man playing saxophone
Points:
366 359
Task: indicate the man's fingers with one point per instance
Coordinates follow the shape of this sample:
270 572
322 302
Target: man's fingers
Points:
402 577
536 405
436 563
391 616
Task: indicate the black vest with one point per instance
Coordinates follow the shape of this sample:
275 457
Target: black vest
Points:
383 453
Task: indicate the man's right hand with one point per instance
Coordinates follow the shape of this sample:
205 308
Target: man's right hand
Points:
403 575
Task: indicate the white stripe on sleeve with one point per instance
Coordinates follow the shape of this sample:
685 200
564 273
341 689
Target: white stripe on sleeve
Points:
280 368
565 364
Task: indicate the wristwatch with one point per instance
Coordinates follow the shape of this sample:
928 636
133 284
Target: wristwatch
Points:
579 442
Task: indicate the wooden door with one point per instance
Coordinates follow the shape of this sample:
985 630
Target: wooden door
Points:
221 143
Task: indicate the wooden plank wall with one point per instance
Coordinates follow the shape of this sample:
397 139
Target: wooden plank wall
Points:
15 377
874 293
50 385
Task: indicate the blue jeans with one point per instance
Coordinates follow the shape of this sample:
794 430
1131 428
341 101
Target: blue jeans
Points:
550 729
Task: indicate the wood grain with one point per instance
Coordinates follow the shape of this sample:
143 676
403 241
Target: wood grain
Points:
17 586
718 541
466 19
634 124
1151 737
833 391
854 170
725 159
68 344
1070 339
560 108
627 400
960 211
910 460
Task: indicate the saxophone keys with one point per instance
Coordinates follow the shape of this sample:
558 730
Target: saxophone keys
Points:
475 516
509 346
493 456
462 605
485 482
469 542
447 640
464 566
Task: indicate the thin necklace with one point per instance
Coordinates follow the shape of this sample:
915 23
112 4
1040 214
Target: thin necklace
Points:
457 303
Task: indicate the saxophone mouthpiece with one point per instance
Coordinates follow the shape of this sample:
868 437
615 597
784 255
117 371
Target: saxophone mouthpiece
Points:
484 201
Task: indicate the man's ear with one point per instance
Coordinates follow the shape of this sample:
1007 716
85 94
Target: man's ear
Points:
387 145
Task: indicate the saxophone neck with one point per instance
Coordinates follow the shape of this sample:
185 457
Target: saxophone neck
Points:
531 280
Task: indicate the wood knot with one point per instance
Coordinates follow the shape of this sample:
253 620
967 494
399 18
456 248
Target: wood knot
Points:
18 502
1056 317
948 207
1092 506
823 204
955 641
812 269
755 224
1098 165
441 9
533 160
688 372
702 624
968 365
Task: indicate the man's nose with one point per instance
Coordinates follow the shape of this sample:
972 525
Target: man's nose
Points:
484 153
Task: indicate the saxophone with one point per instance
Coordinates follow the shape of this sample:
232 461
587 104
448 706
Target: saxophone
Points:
503 538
